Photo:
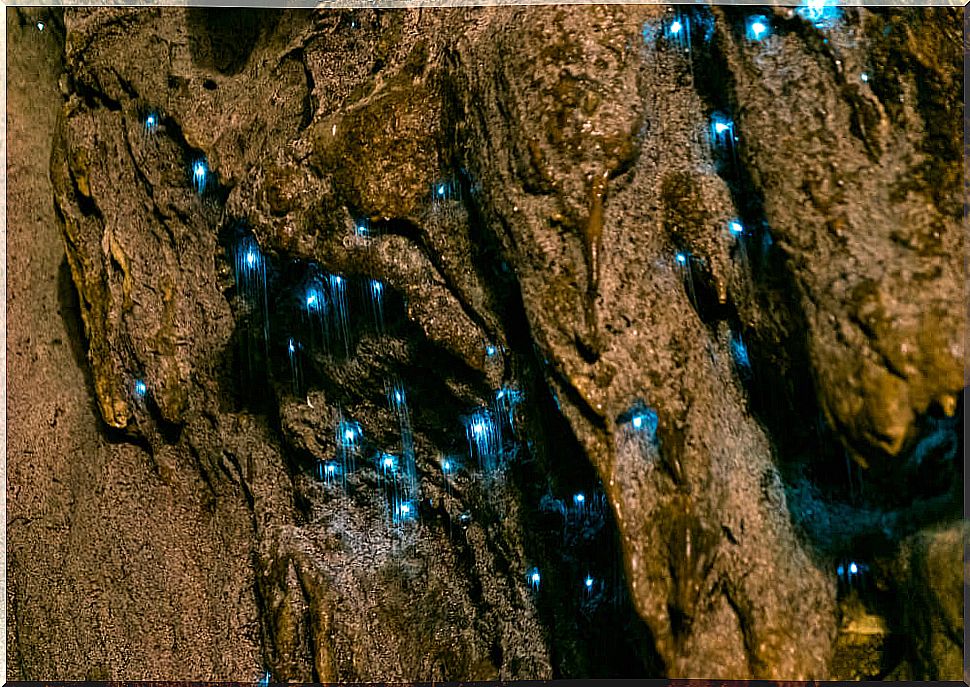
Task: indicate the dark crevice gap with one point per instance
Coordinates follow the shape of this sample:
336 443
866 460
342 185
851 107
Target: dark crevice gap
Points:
494 271
552 465
744 623
94 95
69 303
310 103
487 252
781 389
223 39
126 86
170 432
308 620
214 192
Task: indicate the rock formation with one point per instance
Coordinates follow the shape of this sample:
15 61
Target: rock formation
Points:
489 343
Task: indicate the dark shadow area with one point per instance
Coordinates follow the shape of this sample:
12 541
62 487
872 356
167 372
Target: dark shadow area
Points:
222 39
582 594
573 541
69 306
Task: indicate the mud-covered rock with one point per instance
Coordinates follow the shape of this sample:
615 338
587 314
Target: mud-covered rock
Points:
689 280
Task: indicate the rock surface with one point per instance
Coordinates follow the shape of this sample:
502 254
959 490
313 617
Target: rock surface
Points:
750 411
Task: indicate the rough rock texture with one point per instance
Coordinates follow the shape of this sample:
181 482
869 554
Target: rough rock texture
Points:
114 567
547 206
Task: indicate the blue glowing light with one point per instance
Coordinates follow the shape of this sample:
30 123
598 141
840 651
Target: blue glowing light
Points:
377 303
490 350
677 33
484 438
864 77
649 32
318 315
404 511
579 499
327 472
735 227
40 26
847 570
507 400
296 368
445 190
823 14
264 680
348 437
140 388
740 351
758 27
642 418
397 401
722 130
588 582
199 174
534 578
683 261
151 123
339 305
647 419
349 433
446 466
388 462
249 270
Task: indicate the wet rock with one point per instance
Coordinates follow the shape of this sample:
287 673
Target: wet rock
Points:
544 201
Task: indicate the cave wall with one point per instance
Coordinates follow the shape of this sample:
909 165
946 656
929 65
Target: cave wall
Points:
113 568
705 278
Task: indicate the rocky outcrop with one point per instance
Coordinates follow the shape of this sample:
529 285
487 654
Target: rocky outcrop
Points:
654 313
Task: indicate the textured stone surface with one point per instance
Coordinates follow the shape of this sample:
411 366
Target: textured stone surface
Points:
528 176
115 567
